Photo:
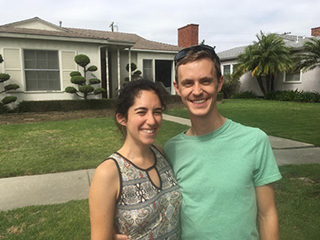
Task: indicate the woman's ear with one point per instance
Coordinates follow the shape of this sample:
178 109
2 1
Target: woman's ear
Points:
121 119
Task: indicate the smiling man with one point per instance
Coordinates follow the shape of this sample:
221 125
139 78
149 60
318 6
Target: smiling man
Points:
224 169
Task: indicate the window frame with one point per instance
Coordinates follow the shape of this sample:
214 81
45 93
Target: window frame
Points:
292 82
45 70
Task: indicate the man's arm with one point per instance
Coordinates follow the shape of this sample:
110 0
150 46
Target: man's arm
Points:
267 213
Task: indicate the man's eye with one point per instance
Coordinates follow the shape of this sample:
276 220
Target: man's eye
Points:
206 82
187 84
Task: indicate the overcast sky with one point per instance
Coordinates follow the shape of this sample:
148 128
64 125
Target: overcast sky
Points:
224 24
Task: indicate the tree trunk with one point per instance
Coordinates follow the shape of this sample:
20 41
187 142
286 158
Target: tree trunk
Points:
260 82
272 83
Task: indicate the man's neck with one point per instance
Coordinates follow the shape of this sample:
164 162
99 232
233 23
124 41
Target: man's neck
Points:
205 124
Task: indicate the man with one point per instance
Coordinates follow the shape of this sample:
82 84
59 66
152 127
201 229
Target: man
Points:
224 169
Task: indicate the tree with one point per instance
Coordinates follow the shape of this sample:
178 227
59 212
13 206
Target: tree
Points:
265 58
135 74
85 88
310 58
3 78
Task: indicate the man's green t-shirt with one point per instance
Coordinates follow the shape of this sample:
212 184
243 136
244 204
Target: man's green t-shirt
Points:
217 174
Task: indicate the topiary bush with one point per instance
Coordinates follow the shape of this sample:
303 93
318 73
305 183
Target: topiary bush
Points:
3 78
84 89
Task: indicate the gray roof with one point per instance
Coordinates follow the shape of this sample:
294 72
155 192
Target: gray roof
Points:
296 42
139 42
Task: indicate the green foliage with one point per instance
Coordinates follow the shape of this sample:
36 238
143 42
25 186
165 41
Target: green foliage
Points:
133 67
79 80
86 89
99 91
93 81
82 60
4 77
310 57
294 95
230 85
71 90
264 59
246 94
64 105
11 87
75 73
92 68
9 99
135 74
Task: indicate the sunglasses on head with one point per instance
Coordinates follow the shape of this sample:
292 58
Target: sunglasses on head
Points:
184 52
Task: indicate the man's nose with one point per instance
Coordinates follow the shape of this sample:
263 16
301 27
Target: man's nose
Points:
197 89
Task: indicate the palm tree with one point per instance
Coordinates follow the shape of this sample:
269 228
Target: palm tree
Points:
310 58
265 58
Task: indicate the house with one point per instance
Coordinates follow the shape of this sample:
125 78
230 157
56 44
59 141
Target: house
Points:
303 81
39 56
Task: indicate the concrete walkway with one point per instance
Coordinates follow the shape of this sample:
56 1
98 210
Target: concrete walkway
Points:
55 188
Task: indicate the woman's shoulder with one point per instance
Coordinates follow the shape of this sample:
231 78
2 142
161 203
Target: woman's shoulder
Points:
107 170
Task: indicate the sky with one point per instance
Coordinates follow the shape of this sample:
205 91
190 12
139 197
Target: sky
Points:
224 24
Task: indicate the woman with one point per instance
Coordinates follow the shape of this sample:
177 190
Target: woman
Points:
133 192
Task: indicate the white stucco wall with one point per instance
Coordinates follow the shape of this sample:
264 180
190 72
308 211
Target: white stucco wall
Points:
310 81
66 51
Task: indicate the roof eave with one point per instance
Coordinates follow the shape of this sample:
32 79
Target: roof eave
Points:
154 50
68 39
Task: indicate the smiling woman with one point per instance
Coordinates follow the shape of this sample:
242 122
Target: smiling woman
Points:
133 192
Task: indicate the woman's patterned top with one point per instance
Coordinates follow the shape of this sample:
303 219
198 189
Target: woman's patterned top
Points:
145 211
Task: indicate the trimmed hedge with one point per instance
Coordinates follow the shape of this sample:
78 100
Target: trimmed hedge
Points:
64 105
247 94
70 105
294 95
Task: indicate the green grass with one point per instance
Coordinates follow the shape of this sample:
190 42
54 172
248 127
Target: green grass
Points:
292 120
47 147
61 221
297 198
298 202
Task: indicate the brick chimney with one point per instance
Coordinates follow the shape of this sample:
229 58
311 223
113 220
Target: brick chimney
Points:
315 31
188 35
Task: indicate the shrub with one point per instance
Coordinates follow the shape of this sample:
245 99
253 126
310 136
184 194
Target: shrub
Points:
84 89
9 99
230 85
82 60
294 95
246 94
64 105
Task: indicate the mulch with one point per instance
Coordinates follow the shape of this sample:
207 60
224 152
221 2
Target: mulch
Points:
32 117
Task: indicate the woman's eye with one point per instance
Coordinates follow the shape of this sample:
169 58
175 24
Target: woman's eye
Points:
141 113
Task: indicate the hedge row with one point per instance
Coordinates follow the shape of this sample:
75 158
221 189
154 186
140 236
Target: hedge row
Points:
69 105
294 95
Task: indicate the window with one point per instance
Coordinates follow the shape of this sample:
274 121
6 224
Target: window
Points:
293 77
147 69
41 70
226 69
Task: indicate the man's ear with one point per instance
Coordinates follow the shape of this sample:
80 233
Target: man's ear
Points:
220 83
121 119
176 87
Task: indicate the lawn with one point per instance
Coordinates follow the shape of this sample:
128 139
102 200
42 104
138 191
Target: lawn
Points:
297 197
292 120
47 147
